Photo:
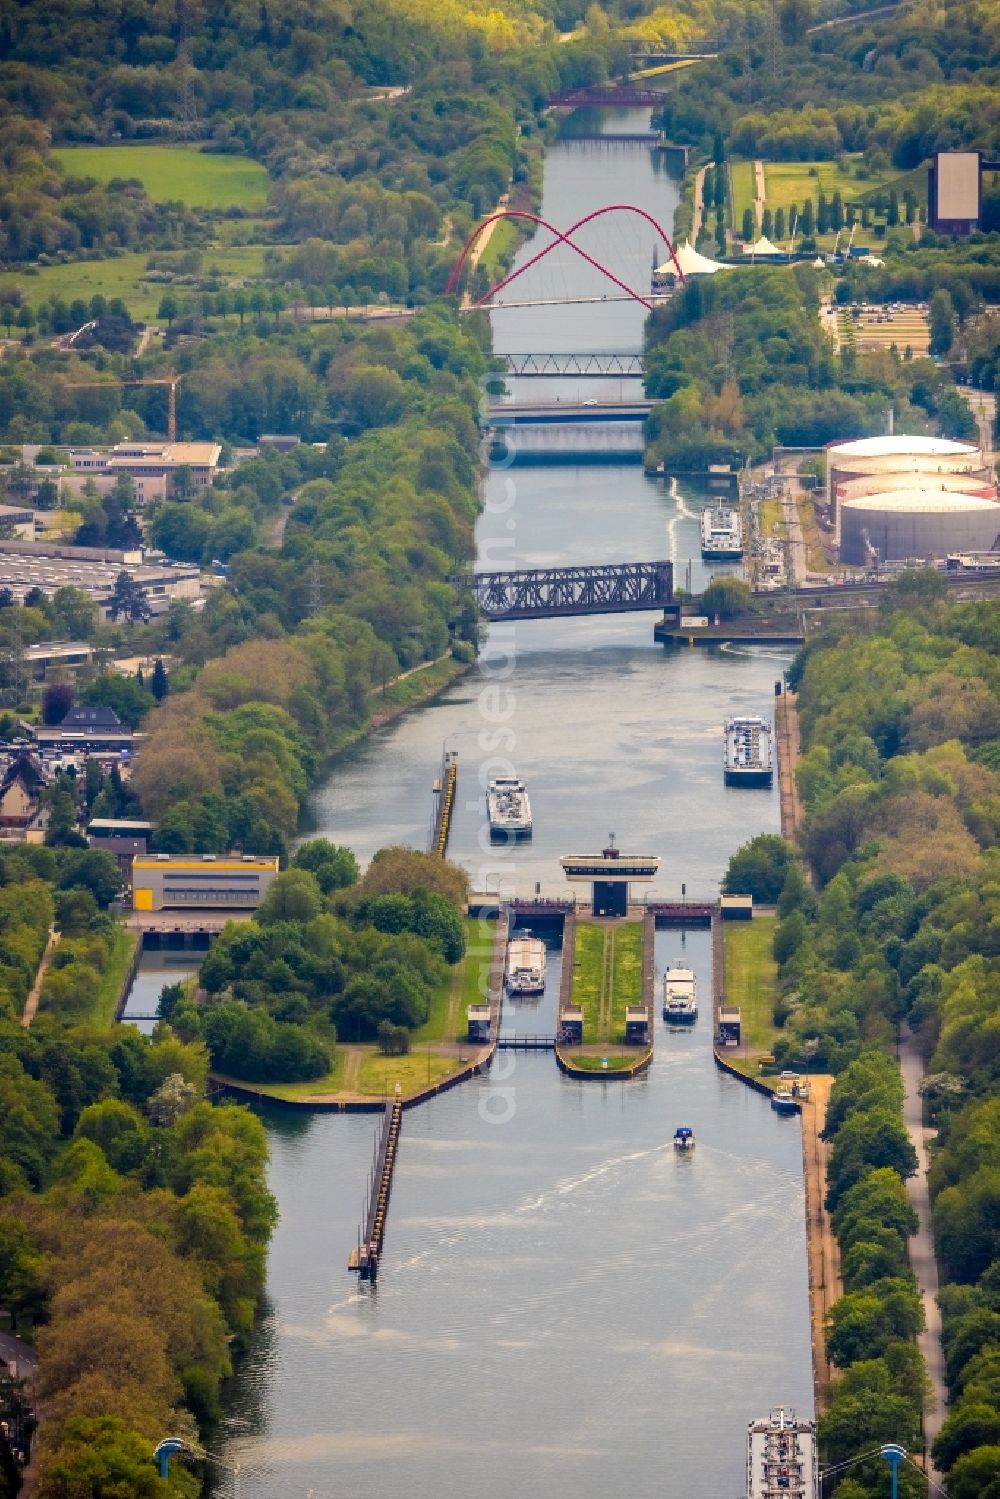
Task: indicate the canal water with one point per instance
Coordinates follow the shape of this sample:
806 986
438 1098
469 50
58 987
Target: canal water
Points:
565 1306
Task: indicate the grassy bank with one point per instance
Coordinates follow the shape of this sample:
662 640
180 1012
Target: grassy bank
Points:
173 174
102 1012
752 980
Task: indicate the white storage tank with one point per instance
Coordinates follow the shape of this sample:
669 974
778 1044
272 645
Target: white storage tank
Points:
924 523
915 458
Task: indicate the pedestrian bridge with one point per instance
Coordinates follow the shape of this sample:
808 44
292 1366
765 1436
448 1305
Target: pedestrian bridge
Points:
554 592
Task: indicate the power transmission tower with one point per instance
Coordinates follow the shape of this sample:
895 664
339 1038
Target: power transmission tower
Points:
187 104
315 590
774 58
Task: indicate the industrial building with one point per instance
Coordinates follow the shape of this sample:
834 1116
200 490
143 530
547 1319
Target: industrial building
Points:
955 190
50 566
144 461
171 881
918 524
922 461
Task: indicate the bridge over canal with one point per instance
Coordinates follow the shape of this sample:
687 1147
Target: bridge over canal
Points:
545 413
611 364
555 592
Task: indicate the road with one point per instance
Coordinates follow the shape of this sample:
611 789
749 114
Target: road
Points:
15 1351
922 1244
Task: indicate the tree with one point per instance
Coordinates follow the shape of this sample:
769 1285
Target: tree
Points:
57 699
402 870
976 1475
294 895
759 868
941 317
128 600
159 684
972 1425
47 495
747 228
335 867
168 307
126 696
727 597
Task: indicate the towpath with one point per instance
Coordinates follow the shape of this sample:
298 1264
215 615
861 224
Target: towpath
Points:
823 1252
760 194
35 994
698 209
922 1244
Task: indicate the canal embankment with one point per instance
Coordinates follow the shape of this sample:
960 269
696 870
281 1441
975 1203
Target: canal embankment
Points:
746 984
789 750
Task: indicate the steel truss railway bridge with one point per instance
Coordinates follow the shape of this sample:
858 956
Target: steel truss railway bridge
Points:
555 592
620 364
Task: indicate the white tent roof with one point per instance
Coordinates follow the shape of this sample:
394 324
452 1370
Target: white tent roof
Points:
819 262
691 262
763 247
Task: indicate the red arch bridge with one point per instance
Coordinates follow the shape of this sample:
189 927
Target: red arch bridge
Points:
559 238
554 592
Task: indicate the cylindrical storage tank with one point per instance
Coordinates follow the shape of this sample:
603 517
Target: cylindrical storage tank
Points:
850 489
896 455
924 524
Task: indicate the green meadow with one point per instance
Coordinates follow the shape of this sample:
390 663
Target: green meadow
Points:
173 174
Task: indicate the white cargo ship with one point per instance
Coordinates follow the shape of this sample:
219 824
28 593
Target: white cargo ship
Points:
721 533
782 1461
749 752
680 1001
525 965
508 808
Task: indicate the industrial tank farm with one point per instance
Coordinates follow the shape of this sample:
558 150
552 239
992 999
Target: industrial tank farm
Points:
923 523
923 460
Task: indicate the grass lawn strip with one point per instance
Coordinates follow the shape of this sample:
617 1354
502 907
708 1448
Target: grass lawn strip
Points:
619 1063
752 980
421 1069
588 970
173 174
743 189
626 983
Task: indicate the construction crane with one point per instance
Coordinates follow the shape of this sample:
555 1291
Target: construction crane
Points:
170 381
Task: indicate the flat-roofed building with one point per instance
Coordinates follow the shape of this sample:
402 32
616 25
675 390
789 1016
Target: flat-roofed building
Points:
124 838
66 655
142 460
174 881
478 1022
50 566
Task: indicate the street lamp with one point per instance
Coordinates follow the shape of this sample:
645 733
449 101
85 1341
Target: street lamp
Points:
894 1455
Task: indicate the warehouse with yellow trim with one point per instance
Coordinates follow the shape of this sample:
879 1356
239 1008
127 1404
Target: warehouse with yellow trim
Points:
163 882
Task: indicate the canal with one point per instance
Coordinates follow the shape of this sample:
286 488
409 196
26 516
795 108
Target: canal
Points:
565 1305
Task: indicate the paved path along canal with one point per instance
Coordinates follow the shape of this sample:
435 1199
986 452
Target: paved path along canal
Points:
922 1244
565 1306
